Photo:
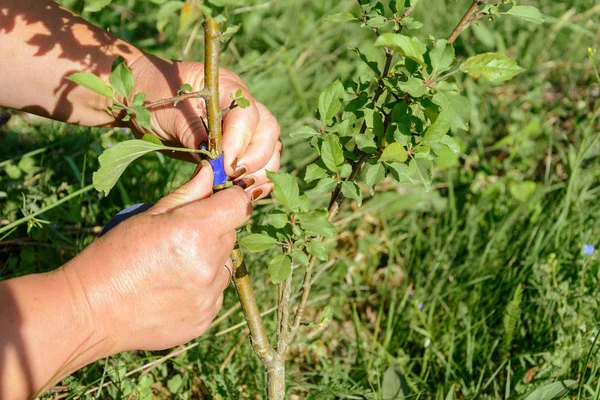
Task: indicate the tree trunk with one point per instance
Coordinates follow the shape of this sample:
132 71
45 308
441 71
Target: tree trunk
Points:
276 380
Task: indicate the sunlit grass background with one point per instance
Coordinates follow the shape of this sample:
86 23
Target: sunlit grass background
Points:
421 282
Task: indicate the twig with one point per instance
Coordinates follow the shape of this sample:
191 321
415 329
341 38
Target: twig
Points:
336 200
233 105
283 315
466 21
233 350
200 94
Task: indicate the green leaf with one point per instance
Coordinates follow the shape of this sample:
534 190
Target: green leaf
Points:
345 171
229 32
330 100
394 152
492 66
186 87
421 168
414 86
325 185
436 131
411 24
142 117
326 314
314 172
152 139
300 257
93 83
316 223
242 102
138 99
175 383
451 143
318 250
277 219
305 132
165 12
527 13
441 56
280 268
331 153
121 79
256 242
341 17
378 21
456 109
553 391
95 5
351 190
366 142
374 174
411 47
286 190
523 190
393 386
114 161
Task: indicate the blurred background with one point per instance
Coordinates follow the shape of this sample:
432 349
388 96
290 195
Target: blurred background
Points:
478 288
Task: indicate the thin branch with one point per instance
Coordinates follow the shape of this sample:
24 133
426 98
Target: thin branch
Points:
233 105
466 21
260 342
336 200
200 94
283 315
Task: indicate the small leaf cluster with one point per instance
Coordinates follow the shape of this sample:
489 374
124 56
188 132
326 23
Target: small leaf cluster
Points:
297 228
121 83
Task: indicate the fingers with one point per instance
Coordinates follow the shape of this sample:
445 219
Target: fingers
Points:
198 188
239 125
251 182
262 143
224 211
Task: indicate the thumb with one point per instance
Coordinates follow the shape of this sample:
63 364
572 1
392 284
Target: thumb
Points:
198 188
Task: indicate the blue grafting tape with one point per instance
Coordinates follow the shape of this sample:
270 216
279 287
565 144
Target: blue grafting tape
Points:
218 166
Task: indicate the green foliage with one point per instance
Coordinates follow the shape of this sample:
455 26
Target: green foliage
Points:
527 13
511 318
92 82
492 66
460 248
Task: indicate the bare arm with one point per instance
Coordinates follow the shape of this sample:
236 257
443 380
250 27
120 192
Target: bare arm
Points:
41 44
153 282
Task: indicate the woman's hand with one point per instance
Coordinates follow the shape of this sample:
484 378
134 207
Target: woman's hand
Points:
250 135
157 279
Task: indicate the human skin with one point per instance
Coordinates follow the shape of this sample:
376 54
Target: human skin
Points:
153 282
41 44
156 280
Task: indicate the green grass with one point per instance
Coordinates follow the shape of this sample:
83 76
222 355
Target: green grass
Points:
423 283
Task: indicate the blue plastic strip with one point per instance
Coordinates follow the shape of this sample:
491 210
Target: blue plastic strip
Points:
124 214
218 166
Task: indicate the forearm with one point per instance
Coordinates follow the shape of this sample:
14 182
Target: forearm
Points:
47 333
41 44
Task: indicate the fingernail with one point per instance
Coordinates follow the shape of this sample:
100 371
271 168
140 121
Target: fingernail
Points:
256 194
239 171
244 183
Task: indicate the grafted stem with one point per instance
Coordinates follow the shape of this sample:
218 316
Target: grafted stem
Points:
273 363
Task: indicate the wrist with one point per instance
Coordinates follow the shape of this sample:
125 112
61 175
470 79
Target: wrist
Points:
91 321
